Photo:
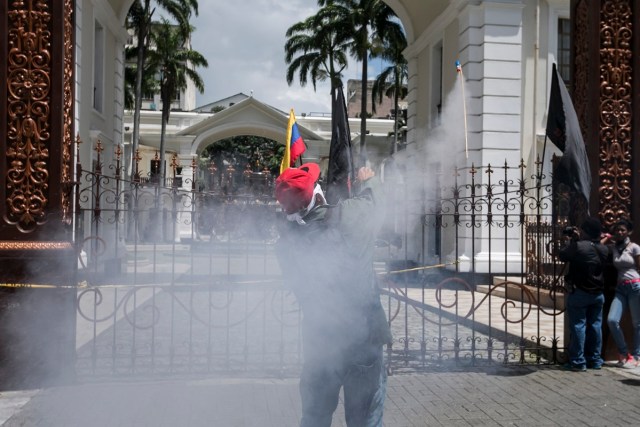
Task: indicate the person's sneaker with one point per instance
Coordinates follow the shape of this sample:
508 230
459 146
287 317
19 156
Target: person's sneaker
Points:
595 364
574 368
626 361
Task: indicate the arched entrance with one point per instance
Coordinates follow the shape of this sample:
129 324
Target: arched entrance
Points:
247 117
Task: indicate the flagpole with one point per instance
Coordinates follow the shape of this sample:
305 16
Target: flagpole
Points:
464 109
286 158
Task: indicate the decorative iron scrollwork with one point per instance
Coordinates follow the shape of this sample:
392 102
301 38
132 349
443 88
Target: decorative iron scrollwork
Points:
67 132
616 34
28 113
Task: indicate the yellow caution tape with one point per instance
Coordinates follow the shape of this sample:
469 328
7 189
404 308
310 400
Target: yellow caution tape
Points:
425 267
42 285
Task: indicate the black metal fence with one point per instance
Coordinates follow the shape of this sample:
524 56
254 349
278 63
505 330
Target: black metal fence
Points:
485 286
176 280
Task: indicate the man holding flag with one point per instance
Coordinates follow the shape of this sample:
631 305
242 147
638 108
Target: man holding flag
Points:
326 256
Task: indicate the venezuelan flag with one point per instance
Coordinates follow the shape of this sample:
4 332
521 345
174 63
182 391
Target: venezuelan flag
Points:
295 145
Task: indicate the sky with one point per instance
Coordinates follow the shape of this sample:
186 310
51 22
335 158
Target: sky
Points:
243 41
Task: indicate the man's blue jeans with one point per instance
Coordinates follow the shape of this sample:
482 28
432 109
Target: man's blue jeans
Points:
363 377
585 325
627 296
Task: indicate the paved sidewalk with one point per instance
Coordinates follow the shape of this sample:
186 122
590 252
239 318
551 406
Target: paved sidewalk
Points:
500 396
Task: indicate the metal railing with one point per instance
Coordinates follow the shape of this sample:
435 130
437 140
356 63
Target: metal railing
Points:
186 281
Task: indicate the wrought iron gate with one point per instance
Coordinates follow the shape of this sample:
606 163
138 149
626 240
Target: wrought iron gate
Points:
176 280
485 286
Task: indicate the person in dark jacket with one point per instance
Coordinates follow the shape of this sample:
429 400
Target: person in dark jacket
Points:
585 293
326 256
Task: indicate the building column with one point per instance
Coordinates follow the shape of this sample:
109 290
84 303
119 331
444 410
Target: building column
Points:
490 44
186 219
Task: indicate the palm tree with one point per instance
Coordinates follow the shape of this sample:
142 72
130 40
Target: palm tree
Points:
367 20
175 61
392 81
316 49
139 19
149 84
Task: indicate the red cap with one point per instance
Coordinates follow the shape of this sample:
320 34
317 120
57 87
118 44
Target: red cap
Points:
294 186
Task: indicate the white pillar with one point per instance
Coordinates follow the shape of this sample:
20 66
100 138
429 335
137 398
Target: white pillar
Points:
186 218
490 41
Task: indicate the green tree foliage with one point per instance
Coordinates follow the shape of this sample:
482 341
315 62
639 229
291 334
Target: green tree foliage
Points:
392 81
175 61
367 21
149 82
316 49
139 21
238 151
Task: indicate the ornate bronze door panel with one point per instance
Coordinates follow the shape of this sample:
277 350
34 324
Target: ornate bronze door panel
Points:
606 55
606 93
37 258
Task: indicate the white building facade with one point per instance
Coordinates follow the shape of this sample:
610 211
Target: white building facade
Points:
100 39
506 50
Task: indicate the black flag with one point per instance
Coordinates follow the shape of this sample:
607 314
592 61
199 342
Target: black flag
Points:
563 129
340 172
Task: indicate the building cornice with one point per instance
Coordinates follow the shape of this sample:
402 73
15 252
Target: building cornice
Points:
108 17
433 33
